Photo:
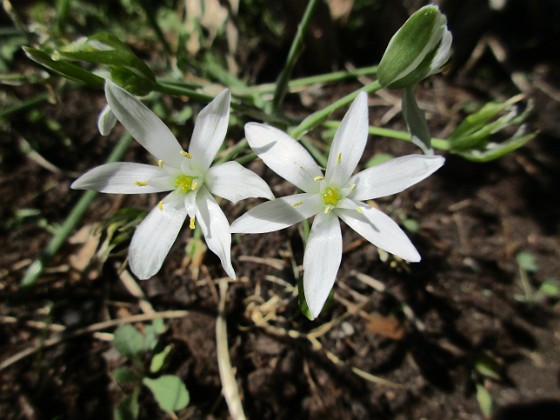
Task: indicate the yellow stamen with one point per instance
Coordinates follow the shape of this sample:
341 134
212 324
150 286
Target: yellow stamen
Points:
297 203
360 210
352 187
328 209
186 154
160 164
141 183
194 185
191 223
339 157
318 178
160 205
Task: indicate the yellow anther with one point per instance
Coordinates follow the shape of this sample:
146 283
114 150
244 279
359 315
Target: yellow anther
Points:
141 183
191 223
297 203
160 164
339 157
194 185
360 210
186 154
328 209
352 187
318 178
160 205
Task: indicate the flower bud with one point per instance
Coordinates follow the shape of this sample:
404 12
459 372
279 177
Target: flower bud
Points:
418 49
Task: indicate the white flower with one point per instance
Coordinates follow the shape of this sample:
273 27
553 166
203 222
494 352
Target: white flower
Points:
187 174
335 195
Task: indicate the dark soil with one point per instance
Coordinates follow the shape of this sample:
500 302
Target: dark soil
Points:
433 331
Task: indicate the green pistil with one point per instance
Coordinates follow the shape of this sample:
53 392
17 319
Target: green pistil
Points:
185 183
330 195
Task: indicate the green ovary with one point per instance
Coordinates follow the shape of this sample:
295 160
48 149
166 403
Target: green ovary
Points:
185 183
331 196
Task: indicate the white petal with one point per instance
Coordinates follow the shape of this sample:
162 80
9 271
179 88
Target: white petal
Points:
121 178
443 52
232 181
106 121
321 261
284 155
278 214
209 131
154 237
349 142
380 230
215 228
394 176
144 125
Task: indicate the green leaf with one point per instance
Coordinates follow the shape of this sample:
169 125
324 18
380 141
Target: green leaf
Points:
127 69
64 68
550 288
484 400
158 361
126 376
128 408
487 366
526 261
129 342
169 391
416 121
411 225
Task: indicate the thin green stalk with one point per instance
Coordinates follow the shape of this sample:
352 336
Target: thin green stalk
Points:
151 16
318 117
62 11
76 214
306 81
440 144
24 105
295 50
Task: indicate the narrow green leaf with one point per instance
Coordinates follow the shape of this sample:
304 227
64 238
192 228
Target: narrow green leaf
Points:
158 361
169 391
484 400
64 68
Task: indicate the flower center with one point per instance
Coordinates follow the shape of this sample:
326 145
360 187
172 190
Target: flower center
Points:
331 196
185 183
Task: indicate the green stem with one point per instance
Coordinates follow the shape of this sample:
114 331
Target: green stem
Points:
62 11
311 80
295 50
440 144
59 238
24 105
151 16
318 117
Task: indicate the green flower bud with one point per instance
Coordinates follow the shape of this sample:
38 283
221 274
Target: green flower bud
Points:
419 49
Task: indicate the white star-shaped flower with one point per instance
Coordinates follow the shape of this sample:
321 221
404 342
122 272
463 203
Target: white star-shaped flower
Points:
335 195
188 175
